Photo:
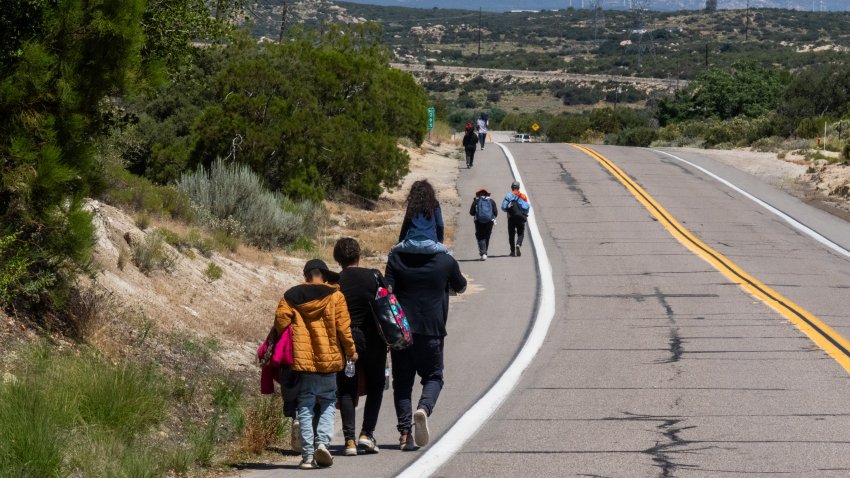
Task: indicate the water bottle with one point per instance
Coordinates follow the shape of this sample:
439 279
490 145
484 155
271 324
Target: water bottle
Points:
387 377
349 368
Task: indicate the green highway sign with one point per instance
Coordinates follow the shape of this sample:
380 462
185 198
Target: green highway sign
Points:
431 112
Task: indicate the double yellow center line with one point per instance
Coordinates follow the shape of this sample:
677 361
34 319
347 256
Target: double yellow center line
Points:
823 335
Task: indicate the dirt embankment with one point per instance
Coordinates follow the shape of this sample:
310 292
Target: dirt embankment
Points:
236 309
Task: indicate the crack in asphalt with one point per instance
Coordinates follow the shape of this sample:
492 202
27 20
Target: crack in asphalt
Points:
640 297
661 454
572 184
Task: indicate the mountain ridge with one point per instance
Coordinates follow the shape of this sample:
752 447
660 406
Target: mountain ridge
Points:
661 5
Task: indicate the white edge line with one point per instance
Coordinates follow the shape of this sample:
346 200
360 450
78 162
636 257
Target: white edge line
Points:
469 423
790 220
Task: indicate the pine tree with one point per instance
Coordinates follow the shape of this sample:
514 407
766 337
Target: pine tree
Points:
63 59
710 5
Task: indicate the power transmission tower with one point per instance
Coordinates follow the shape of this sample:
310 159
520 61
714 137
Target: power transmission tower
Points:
598 18
479 31
640 9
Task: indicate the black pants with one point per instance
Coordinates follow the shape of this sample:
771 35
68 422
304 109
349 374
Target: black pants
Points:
470 156
425 358
482 235
481 138
289 388
516 232
371 363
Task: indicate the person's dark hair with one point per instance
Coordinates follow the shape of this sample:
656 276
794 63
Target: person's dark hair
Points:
421 200
346 251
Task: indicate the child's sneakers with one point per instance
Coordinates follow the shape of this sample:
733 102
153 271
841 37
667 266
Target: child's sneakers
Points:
323 456
308 463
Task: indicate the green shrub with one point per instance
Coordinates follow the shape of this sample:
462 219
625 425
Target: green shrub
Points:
223 241
231 198
845 151
152 253
17 278
641 136
79 414
203 244
126 189
769 144
213 272
143 220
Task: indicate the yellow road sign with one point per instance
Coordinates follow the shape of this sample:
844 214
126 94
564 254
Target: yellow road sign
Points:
535 127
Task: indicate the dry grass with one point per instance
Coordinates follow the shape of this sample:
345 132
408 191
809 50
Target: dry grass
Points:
264 426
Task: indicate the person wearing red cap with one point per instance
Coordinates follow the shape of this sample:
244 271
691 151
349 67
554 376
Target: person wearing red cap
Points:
483 212
470 142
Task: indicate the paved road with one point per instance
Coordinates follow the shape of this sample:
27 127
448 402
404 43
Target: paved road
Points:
656 365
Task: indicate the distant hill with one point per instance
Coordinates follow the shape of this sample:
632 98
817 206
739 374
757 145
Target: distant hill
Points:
662 5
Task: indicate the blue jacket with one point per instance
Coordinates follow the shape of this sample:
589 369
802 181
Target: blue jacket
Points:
421 227
520 198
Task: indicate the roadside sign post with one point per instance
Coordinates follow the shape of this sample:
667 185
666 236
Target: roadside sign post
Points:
431 112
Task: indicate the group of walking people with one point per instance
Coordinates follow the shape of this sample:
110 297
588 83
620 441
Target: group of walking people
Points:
339 351
483 211
333 330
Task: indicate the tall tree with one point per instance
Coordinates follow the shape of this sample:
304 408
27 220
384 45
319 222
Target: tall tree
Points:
63 59
710 5
315 114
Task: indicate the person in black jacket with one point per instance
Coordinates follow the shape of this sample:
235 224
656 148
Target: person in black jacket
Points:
484 213
421 282
359 286
470 142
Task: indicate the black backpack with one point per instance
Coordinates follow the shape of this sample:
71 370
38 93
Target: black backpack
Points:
516 211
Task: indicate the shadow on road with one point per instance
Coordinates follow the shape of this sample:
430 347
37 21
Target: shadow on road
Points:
488 258
264 466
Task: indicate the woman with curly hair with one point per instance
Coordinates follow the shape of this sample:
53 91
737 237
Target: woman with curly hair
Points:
422 228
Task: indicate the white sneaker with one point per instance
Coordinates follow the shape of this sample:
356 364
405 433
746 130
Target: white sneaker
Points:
323 456
421 434
295 436
483 257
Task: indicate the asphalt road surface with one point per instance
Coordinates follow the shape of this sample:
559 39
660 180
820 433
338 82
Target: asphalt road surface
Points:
657 364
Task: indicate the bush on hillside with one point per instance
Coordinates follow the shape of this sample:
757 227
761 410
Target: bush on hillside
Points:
314 115
232 197
642 136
